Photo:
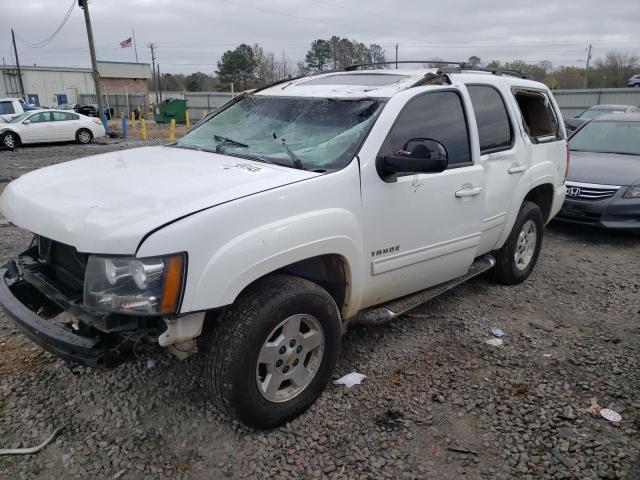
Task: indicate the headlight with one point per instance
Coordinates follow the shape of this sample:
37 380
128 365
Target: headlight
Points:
632 192
140 286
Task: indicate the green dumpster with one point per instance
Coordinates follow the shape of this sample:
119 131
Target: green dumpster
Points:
169 109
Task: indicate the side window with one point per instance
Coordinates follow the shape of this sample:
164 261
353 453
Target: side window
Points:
40 117
494 128
432 116
537 114
6 108
64 116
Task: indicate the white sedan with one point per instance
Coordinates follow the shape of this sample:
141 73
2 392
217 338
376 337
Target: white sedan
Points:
49 126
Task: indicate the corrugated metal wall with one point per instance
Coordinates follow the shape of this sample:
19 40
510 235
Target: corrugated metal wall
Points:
573 102
49 83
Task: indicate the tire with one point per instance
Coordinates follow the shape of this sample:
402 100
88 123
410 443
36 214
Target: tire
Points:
10 140
518 256
261 325
84 136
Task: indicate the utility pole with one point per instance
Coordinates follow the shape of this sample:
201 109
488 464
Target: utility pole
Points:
153 64
84 5
396 56
585 84
159 82
15 50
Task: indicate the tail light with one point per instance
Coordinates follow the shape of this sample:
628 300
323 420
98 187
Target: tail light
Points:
566 170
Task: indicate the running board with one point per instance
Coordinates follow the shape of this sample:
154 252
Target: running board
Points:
386 312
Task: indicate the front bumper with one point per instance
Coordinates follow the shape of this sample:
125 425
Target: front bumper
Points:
33 301
613 213
16 294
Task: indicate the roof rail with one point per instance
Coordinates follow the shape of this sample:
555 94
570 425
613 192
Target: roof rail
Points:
494 71
437 62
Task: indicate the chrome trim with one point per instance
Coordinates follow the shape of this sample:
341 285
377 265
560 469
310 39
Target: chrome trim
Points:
592 185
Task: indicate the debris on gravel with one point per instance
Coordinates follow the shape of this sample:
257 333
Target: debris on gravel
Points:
438 403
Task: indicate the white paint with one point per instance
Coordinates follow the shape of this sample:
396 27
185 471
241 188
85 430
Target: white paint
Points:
239 220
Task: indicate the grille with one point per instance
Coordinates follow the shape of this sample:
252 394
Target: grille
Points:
590 192
64 262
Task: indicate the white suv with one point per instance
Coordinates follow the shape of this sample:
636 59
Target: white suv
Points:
282 218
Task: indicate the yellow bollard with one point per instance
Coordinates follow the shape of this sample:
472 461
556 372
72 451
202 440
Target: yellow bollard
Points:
186 118
143 133
204 114
133 120
172 130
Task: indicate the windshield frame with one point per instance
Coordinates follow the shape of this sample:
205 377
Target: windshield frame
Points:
382 101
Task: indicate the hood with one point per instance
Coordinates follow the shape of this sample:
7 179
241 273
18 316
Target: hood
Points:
604 168
107 203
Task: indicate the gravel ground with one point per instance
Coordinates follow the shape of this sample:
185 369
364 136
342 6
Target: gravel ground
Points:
572 333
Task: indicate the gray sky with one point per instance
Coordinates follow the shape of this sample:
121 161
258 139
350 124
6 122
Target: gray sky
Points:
191 35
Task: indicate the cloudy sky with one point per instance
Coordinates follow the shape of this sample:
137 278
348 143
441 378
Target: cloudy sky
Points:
191 35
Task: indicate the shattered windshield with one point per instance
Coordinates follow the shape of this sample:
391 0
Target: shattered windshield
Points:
308 133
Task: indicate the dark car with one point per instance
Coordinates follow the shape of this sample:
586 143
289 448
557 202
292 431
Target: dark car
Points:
88 110
603 185
572 124
634 81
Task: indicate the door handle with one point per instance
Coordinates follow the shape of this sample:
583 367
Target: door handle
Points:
517 168
469 192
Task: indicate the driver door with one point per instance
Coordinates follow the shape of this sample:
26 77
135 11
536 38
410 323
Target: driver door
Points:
38 129
422 229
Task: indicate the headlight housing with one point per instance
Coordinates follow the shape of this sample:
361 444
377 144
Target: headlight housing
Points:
632 192
134 286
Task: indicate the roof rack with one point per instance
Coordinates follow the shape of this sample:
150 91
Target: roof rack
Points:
437 62
494 71
460 66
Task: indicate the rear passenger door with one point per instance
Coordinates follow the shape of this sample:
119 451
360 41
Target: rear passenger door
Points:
502 156
66 125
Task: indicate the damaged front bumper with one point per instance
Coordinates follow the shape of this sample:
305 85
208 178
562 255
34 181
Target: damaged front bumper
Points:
34 300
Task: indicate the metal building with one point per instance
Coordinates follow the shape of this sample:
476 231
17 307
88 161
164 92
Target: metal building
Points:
123 84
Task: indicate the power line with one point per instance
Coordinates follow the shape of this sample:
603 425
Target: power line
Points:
53 35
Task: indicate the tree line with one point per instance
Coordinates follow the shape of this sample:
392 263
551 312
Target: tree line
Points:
250 66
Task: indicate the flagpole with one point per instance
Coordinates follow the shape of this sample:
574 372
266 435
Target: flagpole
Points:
133 33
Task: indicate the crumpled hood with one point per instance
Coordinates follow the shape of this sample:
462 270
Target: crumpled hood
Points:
107 203
604 168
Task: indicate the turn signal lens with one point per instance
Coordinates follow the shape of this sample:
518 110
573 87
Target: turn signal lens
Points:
172 284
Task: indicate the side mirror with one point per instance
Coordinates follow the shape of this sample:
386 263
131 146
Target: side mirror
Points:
26 122
419 155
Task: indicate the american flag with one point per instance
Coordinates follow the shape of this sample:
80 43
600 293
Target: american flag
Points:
126 43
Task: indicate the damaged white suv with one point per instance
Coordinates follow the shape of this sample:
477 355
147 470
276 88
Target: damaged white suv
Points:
282 218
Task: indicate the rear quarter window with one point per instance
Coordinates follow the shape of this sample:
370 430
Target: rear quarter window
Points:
538 118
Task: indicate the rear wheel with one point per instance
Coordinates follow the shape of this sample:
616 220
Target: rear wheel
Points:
518 256
10 140
273 351
83 136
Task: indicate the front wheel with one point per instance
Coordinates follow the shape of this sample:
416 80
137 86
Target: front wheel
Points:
518 256
10 140
273 351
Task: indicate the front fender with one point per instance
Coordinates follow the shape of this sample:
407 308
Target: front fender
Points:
265 249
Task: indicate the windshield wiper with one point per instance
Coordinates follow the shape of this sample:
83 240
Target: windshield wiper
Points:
227 141
296 160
